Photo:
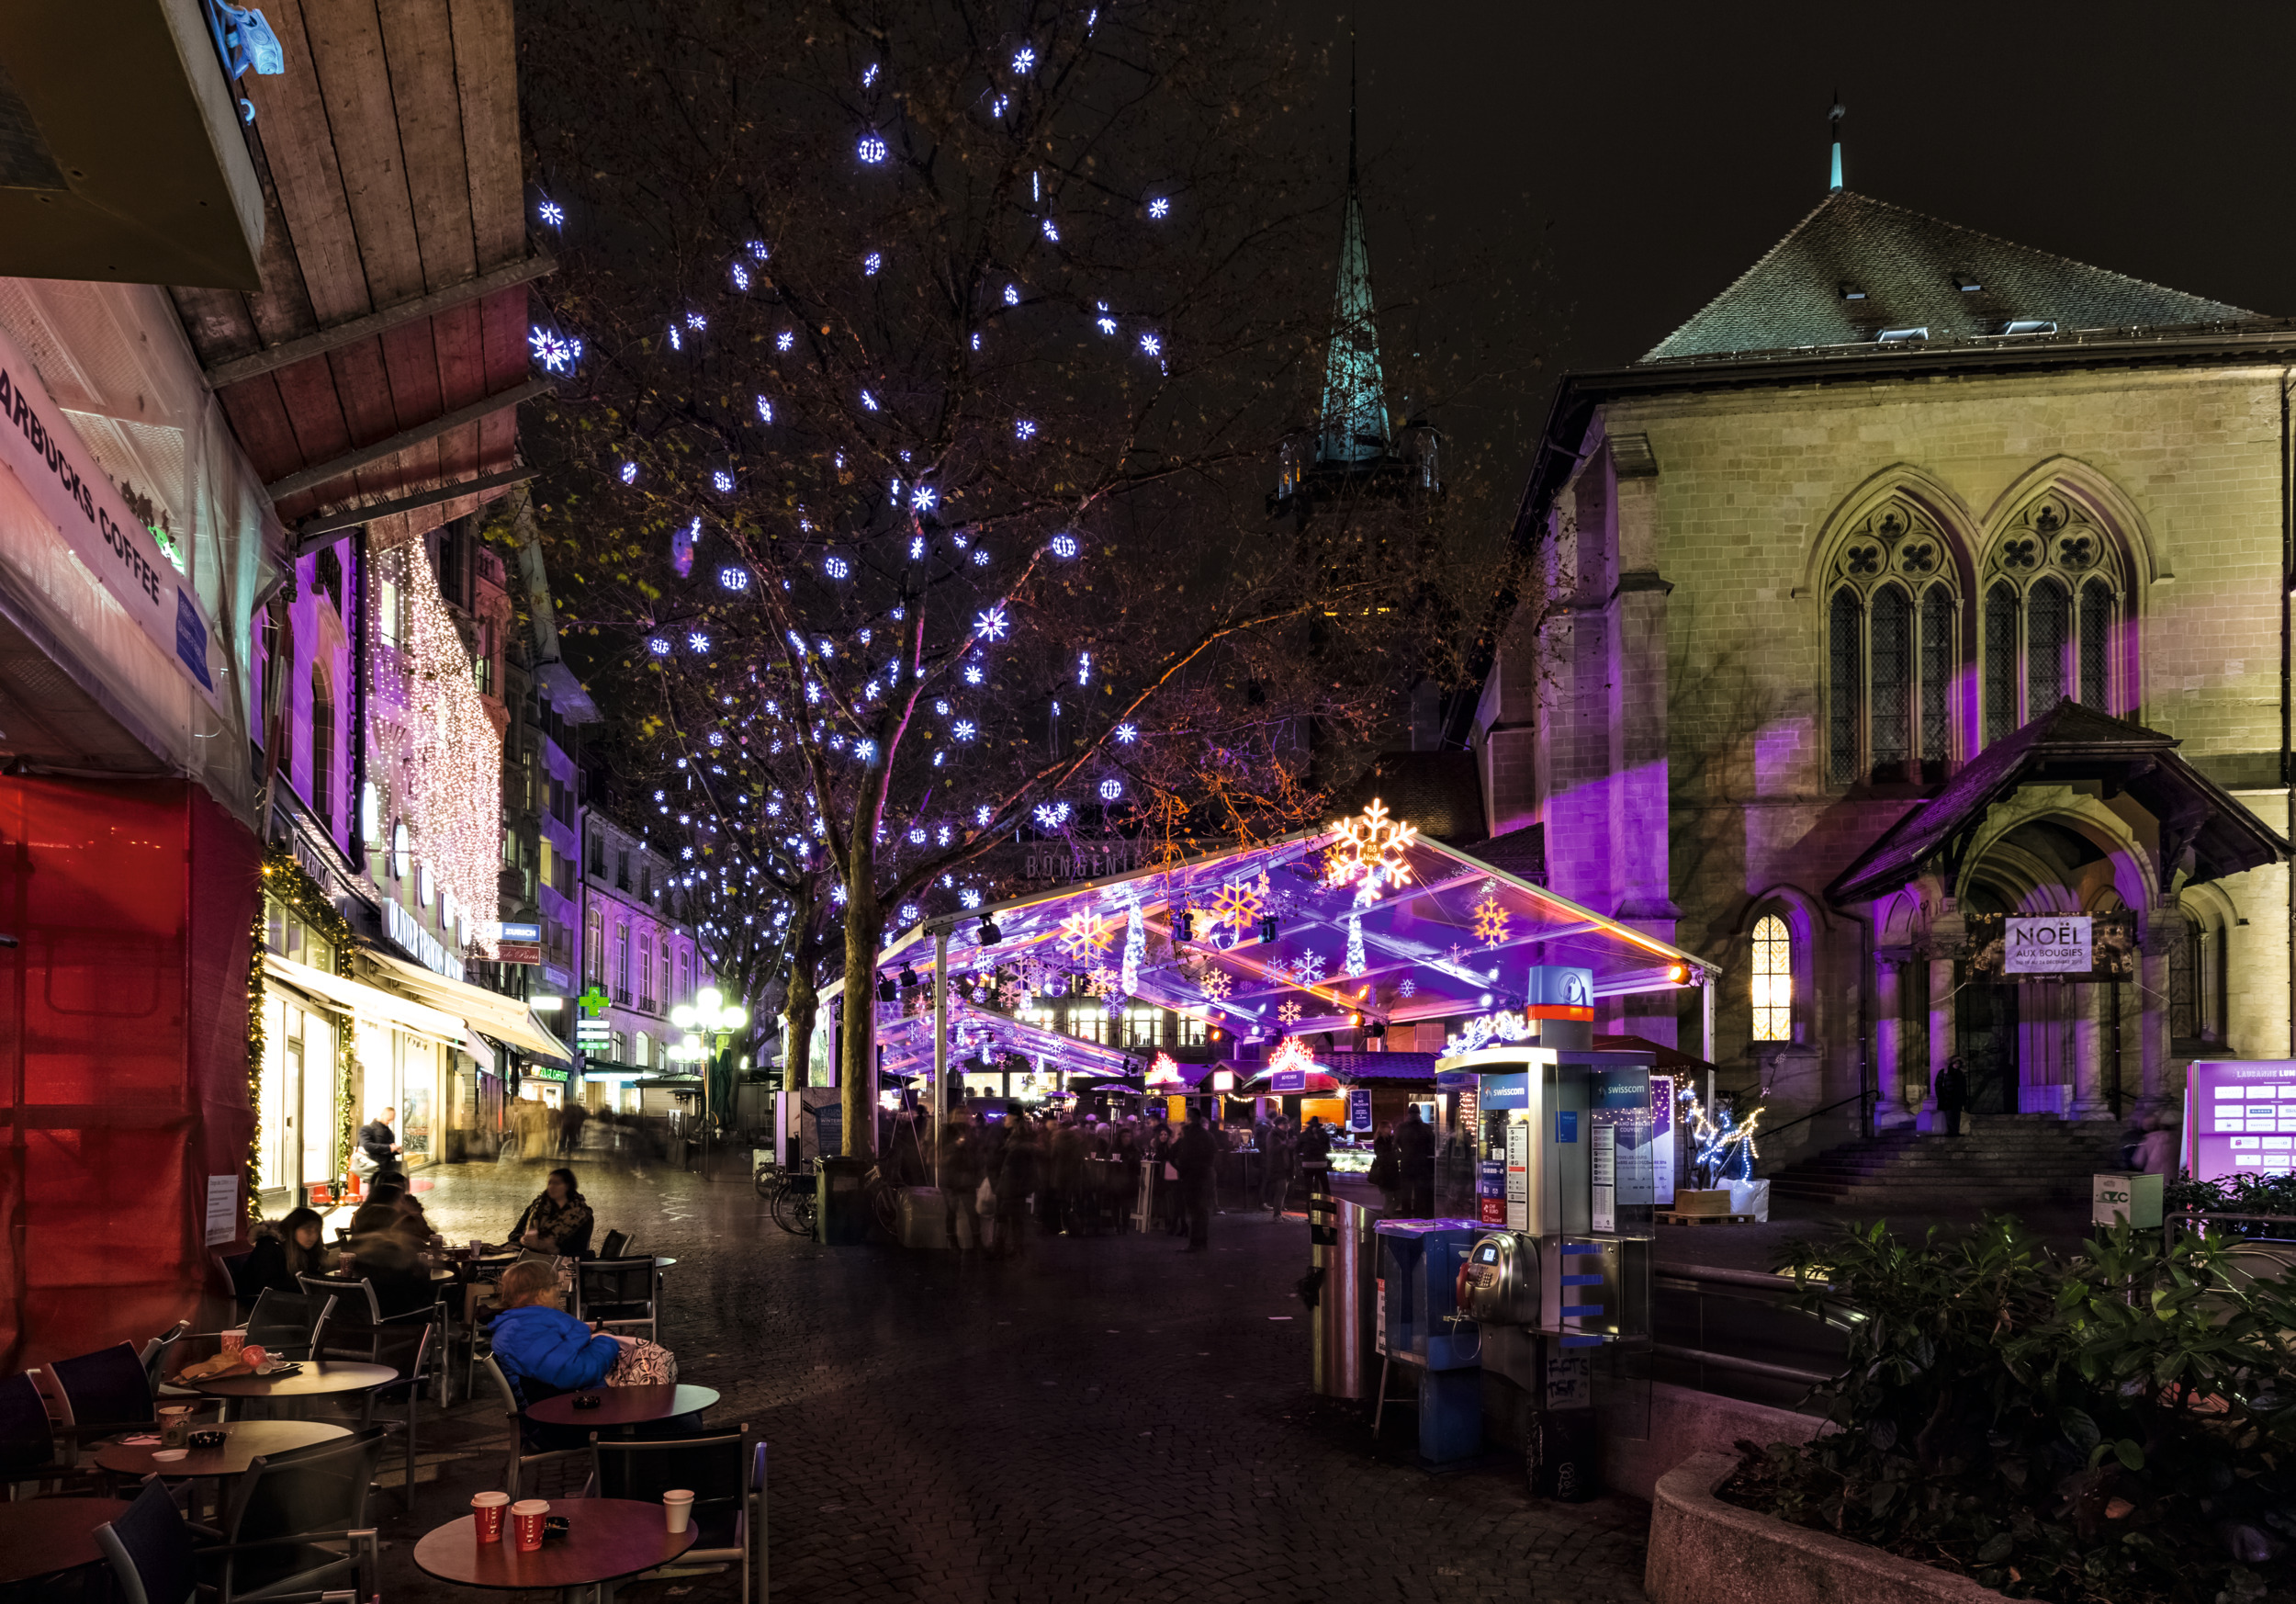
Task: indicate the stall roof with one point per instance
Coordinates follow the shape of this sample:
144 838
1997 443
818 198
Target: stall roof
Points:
1444 936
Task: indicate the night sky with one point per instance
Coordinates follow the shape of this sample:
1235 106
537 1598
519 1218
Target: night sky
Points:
1561 186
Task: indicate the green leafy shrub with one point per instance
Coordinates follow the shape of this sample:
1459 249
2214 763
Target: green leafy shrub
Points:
2238 1194
2120 1427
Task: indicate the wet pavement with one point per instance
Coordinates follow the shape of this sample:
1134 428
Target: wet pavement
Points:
1107 1418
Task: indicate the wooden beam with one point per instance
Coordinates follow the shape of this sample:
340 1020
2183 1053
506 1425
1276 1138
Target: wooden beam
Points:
352 517
243 368
319 473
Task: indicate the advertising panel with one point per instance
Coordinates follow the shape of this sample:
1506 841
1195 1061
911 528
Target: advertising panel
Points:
2240 1117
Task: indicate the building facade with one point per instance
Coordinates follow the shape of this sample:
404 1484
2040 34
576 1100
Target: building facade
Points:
639 949
1922 581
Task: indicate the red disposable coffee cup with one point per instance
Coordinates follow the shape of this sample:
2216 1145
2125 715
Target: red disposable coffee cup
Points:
526 1517
487 1510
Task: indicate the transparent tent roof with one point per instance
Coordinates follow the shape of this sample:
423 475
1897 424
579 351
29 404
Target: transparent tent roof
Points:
1301 934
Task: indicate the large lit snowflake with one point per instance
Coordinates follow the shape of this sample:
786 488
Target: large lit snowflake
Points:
1086 933
556 352
1289 1014
1101 982
1370 849
1491 919
1407 989
1308 968
1239 906
1215 984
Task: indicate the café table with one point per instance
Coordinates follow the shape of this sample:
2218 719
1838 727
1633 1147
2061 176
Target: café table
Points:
619 1407
42 1536
316 1379
607 1541
244 1441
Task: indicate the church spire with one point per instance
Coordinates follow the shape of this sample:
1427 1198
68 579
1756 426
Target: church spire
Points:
1833 121
1354 391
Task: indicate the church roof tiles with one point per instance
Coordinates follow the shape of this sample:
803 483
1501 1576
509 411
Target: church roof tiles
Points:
1856 270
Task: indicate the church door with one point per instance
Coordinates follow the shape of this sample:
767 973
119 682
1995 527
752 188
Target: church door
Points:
1985 1023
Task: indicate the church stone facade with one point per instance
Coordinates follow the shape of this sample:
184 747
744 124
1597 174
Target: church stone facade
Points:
1918 581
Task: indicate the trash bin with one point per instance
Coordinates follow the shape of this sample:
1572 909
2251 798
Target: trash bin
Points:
1346 1303
842 1218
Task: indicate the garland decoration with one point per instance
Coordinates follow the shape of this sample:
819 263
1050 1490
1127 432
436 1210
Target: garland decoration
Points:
283 880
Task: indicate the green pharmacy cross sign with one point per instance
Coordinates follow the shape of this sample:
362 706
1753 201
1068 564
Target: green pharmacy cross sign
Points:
594 1002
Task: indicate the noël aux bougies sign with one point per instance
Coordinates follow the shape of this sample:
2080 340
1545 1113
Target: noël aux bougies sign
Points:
2046 944
40 448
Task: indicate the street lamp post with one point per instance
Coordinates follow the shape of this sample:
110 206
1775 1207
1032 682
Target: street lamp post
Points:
708 1020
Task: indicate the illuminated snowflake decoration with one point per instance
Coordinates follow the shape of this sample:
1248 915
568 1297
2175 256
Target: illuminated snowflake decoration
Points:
1104 322
552 213
1152 345
1308 968
1024 58
865 751
1024 429
963 729
910 914
722 482
556 352
1491 919
1112 789
974 673
998 107
869 400
1215 984
658 645
836 567
871 263
1369 853
869 74
980 557
697 641
871 147
924 498
1239 906
1012 295
1127 733
757 248
717 738
765 411
694 320
741 276
1084 668
784 340
1159 208
969 897
629 473
1051 814
1407 989
836 894
1101 982
1065 545
734 578
1051 231
991 623
677 341
1289 1014
983 814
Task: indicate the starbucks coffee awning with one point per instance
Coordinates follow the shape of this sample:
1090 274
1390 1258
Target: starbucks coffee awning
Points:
506 1019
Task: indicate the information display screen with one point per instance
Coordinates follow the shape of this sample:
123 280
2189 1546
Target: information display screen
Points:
2240 1117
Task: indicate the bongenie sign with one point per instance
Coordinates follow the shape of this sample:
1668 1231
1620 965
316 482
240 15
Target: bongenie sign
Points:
2053 944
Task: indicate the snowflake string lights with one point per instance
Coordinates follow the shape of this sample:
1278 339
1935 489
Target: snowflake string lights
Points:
1491 919
1051 816
969 898
924 499
1065 545
1215 983
973 674
872 149
658 645
869 74
1024 58
996 108
784 340
1239 906
1159 208
1289 1014
1370 850
696 321
991 623
552 213
556 352
629 473
963 729
980 557
1355 961
1127 733
1084 668
757 250
1101 982
1024 429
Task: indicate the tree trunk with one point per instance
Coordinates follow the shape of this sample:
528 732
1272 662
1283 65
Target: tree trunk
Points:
857 1066
800 1008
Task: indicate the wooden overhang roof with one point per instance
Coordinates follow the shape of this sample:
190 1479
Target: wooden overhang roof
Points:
374 377
2070 743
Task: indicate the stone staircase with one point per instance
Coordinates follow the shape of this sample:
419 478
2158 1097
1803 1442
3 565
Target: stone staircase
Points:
2005 1159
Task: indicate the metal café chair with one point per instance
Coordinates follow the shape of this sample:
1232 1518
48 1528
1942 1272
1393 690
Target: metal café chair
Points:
295 1527
281 1322
615 1246
727 1475
405 1349
619 1294
527 1447
105 1391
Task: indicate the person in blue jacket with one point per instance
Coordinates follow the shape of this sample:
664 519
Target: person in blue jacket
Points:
541 1348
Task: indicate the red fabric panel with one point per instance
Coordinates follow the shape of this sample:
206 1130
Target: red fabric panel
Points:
122 1072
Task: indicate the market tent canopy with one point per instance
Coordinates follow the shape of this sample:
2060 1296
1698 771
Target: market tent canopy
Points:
506 1019
367 1001
1277 938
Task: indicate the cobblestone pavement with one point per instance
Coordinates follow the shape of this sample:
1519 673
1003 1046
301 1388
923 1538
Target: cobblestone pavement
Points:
1105 1419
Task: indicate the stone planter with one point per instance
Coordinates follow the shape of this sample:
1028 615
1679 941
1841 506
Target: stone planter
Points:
1706 1552
1692 1202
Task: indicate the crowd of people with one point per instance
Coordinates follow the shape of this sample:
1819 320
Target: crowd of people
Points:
1078 1174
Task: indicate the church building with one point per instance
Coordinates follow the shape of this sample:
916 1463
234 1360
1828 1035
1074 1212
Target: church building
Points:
1918 581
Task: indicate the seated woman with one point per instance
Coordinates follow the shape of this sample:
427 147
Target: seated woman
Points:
544 1351
558 1222
290 1248
383 1257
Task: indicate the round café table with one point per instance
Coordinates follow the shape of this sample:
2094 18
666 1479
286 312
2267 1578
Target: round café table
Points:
42 1536
623 1405
244 1441
318 1379
608 1539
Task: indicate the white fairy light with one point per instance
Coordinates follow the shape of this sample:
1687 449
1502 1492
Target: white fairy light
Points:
1024 429
552 213
1012 295
722 482
629 473
765 411
1024 58
1159 208
869 400
1152 345
1128 733
784 340
925 498
871 263
872 149
1064 546
963 729
991 623
983 814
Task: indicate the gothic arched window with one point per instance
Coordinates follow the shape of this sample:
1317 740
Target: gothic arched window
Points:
1773 980
1890 651
2053 601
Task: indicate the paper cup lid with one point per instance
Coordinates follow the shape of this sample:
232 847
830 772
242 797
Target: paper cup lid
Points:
677 1496
489 1499
531 1506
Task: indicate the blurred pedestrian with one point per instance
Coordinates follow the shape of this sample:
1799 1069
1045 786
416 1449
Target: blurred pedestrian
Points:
1414 1163
2159 1153
1193 1155
1019 1172
961 1183
1953 1093
570 1134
